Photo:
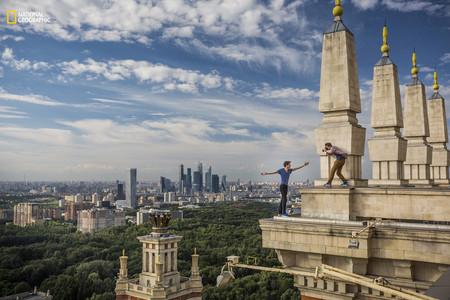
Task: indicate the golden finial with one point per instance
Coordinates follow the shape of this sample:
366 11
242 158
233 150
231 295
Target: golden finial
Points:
436 84
385 46
123 252
338 11
414 69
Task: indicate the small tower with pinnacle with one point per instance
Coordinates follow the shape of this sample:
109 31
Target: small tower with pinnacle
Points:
387 148
438 138
159 278
418 153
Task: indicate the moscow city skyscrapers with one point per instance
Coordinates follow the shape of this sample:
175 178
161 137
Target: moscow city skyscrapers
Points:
200 171
215 183
208 183
130 187
193 181
181 180
120 191
188 181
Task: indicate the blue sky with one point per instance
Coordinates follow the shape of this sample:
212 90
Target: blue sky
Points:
109 85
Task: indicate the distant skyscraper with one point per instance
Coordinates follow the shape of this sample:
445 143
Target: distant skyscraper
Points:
215 183
224 183
131 188
188 182
196 187
120 192
200 170
208 174
181 179
162 184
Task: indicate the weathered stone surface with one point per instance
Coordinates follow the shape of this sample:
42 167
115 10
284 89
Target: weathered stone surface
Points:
388 203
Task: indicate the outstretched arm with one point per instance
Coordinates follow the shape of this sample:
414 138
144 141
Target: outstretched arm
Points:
298 168
269 173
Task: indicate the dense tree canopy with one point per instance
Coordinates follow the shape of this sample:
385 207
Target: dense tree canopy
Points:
72 265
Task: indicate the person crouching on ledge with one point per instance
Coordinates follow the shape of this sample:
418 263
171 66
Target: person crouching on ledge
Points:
339 163
284 172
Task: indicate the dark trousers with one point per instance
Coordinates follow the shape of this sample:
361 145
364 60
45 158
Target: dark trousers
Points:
284 191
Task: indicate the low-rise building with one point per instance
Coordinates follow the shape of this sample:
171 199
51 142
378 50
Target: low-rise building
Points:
97 218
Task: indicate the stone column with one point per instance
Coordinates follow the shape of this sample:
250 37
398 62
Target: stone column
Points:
438 138
340 102
418 153
387 148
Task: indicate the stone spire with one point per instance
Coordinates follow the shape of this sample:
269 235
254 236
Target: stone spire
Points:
387 148
340 101
123 271
196 279
438 136
418 154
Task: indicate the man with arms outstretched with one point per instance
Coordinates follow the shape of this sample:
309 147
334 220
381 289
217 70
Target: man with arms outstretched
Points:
284 172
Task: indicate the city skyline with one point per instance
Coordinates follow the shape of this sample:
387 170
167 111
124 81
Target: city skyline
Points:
85 100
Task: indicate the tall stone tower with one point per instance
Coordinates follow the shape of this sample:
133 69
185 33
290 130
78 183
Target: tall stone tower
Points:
387 148
159 279
438 138
340 101
418 154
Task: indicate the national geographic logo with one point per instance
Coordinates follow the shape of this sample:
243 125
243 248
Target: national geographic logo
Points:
11 17
14 17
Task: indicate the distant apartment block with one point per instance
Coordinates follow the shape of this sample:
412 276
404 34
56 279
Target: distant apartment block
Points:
170 197
131 188
26 214
95 219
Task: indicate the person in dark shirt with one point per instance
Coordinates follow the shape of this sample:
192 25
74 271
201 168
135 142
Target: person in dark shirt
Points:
338 164
284 172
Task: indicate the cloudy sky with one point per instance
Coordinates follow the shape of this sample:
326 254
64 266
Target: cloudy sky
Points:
109 85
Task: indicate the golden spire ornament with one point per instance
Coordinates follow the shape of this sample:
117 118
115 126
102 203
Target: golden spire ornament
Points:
338 11
385 46
436 84
414 69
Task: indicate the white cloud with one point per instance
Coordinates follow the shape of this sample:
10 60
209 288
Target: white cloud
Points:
111 101
445 58
15 38
168 78
9 112
171 79
276 54
29 98
8 58
295 94
365 4
416 5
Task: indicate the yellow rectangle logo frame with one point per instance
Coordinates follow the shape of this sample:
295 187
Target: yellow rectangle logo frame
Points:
10 12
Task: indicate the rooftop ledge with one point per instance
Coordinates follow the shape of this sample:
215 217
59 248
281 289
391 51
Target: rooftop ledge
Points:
400 203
